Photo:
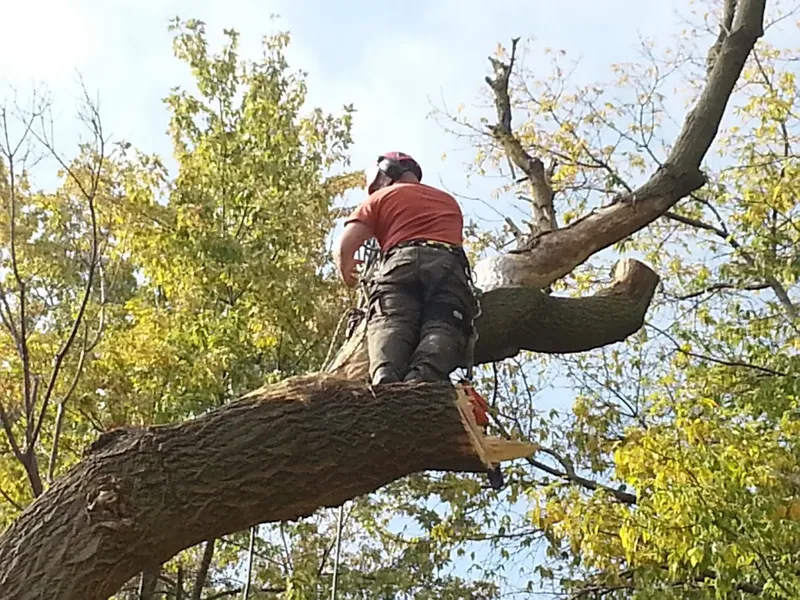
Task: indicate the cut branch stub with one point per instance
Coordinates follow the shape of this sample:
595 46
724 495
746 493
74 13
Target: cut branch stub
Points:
525 318
141 496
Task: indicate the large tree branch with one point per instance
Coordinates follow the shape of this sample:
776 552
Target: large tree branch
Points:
553 254
142 495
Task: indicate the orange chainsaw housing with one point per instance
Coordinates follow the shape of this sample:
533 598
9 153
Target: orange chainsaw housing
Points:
480 407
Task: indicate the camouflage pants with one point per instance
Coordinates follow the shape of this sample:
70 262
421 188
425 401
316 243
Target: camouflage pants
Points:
420 315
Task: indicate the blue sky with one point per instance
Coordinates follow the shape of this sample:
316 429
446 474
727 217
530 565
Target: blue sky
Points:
390 60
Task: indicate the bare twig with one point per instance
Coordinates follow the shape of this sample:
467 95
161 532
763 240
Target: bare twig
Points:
6 316
236 591
718 361
722 232
12 439
716 287
594 590
10 500
90 197
569 473
515 230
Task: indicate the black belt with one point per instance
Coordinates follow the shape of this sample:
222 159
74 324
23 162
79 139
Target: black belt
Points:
456 249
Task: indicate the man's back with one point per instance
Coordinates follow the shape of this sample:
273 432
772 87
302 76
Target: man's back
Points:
411 211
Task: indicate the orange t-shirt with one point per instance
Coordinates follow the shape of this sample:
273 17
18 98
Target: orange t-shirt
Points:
411 211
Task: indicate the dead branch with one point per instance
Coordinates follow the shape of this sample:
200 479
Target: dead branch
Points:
543 212
553 254
718 287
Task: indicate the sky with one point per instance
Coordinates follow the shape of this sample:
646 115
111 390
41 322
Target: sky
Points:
394 61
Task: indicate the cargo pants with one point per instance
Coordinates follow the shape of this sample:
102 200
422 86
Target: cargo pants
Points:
420 315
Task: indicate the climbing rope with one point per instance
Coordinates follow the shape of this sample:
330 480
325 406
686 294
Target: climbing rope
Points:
370 253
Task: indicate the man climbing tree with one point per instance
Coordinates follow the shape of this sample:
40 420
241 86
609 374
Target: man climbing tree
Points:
421 306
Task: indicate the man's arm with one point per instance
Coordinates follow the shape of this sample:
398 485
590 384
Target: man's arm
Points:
354 235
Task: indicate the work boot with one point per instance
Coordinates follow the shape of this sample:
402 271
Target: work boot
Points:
384 374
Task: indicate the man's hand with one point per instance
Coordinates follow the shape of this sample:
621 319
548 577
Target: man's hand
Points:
350 274
354 235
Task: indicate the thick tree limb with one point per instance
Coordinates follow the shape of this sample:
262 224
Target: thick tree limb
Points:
553 254
140 496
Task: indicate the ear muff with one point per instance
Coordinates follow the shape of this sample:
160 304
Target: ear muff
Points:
394 164
391 168
372 173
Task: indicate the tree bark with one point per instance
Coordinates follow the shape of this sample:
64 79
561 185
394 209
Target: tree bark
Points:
142 495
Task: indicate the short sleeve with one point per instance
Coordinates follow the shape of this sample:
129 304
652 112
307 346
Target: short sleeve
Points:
366 213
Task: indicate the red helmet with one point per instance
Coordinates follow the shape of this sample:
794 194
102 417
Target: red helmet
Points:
393 165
